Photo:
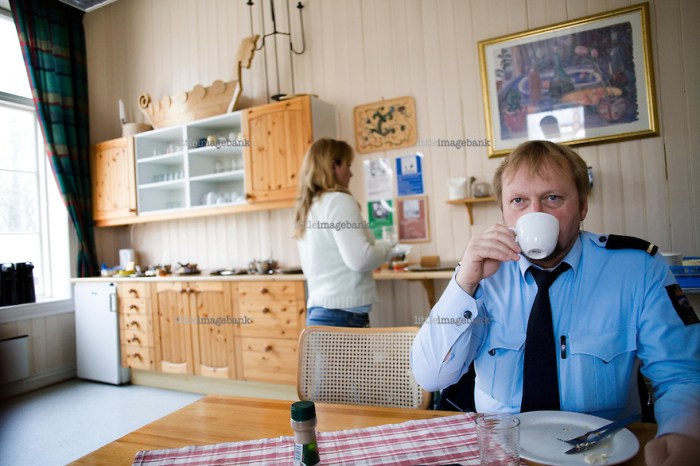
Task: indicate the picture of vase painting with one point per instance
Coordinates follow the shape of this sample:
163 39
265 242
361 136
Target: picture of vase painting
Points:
581 82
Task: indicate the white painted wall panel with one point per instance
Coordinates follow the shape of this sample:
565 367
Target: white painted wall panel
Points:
360 51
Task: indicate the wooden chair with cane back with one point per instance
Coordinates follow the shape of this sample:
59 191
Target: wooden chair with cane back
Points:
362 366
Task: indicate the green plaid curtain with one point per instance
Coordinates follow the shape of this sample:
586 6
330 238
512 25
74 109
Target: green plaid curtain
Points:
53 44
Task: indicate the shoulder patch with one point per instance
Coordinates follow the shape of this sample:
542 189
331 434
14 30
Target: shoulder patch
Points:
630 242
682 305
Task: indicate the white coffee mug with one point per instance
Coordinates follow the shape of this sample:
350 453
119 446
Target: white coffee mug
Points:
537 234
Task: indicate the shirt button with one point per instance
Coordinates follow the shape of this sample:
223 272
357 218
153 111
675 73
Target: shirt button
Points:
602 239
468 315
492 352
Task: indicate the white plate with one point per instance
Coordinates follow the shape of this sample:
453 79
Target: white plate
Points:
540 431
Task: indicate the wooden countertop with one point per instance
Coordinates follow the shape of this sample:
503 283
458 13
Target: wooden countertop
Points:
204 276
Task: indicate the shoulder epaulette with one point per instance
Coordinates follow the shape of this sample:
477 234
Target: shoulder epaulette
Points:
630 242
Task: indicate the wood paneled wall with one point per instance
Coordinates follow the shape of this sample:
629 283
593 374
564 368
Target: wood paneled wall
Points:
360 51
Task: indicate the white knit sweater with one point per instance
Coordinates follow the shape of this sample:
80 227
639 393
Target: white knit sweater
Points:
338 253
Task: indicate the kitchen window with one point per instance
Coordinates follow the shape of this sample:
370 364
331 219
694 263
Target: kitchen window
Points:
34 224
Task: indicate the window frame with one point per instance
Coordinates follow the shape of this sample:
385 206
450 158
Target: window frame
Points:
52 305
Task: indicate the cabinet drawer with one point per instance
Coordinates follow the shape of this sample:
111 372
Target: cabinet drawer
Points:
270 291
270 360
282 319
132 290
134 321
139 306
137 357
135 337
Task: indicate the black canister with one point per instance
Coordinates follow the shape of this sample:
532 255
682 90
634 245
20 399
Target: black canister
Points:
8 284
25 282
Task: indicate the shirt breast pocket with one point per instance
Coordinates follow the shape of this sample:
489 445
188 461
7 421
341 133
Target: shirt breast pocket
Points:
599 369
498 362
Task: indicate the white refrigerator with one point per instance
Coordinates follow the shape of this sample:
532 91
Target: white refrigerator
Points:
97 333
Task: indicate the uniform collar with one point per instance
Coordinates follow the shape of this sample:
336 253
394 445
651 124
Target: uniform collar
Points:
573 258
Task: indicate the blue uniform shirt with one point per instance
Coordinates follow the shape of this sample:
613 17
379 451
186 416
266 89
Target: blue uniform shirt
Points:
610 310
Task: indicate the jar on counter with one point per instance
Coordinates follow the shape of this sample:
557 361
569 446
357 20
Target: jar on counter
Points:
304 425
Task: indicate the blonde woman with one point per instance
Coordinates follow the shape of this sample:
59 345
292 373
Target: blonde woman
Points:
338 251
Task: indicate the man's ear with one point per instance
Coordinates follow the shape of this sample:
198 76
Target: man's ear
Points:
583 208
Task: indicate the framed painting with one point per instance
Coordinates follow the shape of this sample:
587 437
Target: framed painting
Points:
412 219
385 125
585 81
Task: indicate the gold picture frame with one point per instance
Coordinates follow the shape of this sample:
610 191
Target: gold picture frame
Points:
590 80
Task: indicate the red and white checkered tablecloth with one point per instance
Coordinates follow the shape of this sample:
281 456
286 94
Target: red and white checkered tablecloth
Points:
428 441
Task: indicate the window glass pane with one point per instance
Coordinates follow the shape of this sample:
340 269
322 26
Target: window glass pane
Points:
13 78
19 202
17 138
33 220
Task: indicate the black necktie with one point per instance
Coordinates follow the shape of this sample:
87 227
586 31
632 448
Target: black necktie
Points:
540 379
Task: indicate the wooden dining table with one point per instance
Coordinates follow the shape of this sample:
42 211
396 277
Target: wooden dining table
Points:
217 419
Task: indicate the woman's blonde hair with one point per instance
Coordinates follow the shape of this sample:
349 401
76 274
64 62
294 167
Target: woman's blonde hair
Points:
317 176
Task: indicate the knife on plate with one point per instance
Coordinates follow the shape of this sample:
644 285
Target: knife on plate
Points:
601 433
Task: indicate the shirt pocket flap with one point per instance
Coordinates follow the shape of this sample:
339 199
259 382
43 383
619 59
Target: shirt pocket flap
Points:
603 345
499 338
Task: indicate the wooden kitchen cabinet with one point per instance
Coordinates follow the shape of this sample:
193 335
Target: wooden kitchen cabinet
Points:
173 173
244 330
272 315
193 324
280 134
136 326
113 180
213 335
171 321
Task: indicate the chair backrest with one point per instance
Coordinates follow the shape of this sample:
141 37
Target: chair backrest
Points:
362 366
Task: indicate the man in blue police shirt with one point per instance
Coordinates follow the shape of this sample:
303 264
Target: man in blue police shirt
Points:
616 306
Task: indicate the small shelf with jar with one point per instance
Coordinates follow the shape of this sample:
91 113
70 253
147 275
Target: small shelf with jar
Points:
469 201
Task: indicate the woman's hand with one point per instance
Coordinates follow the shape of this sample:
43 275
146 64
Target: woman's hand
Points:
484 255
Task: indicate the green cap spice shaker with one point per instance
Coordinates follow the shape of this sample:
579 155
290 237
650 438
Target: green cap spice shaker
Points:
304 426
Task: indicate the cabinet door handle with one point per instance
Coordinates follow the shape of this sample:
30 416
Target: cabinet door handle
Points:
134 339
138 356
183 290
267 348
264 290
265 310
135 324
133 307
132 211
134 292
